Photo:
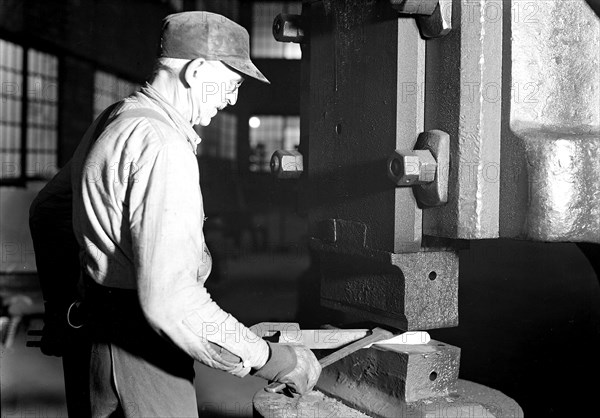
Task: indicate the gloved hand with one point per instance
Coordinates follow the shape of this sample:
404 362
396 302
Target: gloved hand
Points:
294 365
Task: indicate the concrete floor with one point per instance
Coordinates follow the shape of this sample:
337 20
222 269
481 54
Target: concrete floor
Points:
529 326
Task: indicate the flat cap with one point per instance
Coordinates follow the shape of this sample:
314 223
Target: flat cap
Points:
191 35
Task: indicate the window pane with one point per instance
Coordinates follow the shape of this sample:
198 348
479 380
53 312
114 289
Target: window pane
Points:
42 114
11 81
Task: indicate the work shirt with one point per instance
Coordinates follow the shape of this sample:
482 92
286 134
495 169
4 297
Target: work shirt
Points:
138 217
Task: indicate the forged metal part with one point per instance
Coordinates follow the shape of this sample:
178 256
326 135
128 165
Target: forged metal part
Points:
287 164
373 336
412 291
563 171
288 28
550 186
327 338
408 373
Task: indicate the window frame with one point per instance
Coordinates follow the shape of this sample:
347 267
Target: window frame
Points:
26 45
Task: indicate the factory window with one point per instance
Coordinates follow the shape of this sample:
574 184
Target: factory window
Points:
263 43
267 135
219 137
108 89
29 116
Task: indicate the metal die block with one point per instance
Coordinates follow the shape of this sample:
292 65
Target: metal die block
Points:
383 379
411 291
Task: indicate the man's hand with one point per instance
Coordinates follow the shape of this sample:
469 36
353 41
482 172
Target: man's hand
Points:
294 365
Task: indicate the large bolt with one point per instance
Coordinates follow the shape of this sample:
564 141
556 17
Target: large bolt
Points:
409 168
439 24
288 28
417 7
287 164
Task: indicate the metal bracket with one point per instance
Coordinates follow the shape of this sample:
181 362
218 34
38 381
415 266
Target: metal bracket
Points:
434 17
425 168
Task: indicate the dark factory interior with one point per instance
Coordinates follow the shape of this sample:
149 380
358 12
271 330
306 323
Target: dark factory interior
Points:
521 256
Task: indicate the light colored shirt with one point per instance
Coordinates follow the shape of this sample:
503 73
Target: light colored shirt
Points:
138 217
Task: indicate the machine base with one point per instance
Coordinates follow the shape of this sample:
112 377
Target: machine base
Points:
470 400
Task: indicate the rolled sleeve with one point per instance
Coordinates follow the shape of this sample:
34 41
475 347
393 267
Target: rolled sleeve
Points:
166 217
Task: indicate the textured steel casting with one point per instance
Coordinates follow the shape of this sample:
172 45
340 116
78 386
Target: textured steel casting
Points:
463 97
412 291
396 373
550 175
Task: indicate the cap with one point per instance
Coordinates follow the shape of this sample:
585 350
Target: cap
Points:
191 35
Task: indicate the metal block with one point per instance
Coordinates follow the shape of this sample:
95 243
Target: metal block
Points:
413 291
463 98
366 66
393 374
550 187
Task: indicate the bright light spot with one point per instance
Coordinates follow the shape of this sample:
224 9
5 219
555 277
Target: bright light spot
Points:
254 122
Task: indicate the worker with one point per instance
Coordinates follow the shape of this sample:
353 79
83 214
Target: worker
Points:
138 218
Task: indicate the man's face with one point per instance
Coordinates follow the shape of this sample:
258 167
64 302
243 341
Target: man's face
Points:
217 87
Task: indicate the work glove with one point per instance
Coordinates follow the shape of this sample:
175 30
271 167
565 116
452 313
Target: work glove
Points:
294 365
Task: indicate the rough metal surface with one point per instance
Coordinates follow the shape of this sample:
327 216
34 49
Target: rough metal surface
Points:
413 291
365 64
394 373
463 98
551 132
470 400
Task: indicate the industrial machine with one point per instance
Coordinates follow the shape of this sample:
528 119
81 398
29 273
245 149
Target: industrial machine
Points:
426 124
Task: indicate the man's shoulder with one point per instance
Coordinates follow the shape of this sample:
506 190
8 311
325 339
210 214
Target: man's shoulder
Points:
140 124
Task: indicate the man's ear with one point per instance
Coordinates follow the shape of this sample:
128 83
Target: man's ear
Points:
192 71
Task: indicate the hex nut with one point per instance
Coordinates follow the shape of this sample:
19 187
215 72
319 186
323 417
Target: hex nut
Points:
286 164
427 167
288 28
410 168
403 168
